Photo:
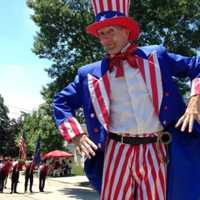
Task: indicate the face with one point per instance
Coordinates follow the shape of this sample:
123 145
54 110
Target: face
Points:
113 38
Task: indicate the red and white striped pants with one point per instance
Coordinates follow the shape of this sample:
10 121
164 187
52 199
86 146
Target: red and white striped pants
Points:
134 172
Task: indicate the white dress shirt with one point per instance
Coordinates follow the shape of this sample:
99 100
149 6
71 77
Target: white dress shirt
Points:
131 108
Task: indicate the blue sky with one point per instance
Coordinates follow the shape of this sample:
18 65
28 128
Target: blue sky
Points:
22 73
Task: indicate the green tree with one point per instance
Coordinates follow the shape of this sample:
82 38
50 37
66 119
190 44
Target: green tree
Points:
7 131
62 38
172 23
40 123
4 119
176 24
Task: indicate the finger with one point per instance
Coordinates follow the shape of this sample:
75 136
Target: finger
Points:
85 150
198 119
185 123
191 122
92 144
79 150
180 121
89 149
88 144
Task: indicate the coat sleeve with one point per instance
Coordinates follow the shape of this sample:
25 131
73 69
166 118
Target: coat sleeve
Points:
182 66
64 105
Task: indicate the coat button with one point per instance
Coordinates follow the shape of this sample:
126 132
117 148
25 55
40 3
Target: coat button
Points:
166 108
92 115
166 94
164 122
96 130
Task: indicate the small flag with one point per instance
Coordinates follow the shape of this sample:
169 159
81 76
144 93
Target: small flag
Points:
22 148
37 157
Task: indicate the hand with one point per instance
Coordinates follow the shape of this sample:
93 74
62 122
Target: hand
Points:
84 145
192 113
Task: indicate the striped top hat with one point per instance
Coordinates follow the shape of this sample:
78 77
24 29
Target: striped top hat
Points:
113 12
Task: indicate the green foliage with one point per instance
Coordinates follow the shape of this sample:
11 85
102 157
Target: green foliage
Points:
4 119
41 123
173 23
62 38
7 131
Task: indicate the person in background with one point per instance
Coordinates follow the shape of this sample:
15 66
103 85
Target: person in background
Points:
8 168
29 172
2 176
17 167
43 172
57 168
66 169
69 167
132 108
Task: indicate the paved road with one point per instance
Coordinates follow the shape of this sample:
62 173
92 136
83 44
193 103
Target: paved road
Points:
69 188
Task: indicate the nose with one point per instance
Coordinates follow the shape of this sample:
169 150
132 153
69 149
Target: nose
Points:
105 39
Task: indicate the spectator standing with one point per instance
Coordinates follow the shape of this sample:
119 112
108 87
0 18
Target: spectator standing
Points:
43 172
29 171
17 166
7 169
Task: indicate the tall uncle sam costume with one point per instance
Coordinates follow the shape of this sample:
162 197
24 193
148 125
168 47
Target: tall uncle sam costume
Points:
91 90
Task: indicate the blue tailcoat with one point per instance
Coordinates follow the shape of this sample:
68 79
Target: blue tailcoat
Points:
184 151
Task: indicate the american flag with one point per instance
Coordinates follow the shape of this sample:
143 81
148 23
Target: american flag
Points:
22 148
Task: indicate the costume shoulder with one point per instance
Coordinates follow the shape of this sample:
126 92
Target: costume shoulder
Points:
146 50
89 68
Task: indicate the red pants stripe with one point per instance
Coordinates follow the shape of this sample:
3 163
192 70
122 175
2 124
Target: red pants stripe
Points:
134 172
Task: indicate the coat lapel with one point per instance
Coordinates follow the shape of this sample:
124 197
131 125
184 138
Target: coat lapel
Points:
151 73
99 88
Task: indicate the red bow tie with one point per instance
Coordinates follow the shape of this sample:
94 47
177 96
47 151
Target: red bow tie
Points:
116 61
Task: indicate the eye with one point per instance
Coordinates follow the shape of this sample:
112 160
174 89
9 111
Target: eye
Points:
101 33
110 31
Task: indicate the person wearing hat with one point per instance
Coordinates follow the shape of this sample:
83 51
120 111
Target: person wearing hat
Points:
7 169
17 167
43 172
133 109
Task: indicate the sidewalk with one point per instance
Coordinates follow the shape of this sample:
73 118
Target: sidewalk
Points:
59 188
